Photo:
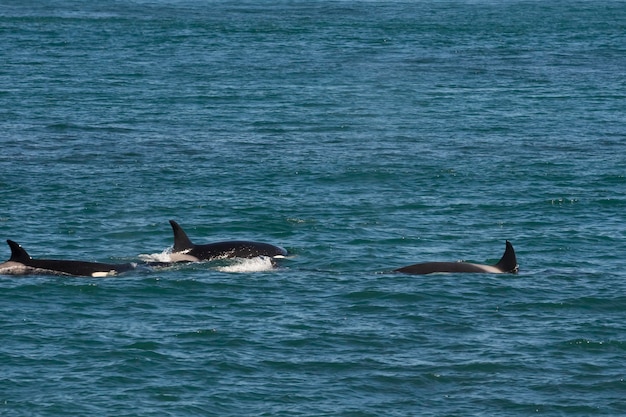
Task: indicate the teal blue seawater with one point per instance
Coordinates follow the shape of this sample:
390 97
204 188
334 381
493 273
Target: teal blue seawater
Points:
360 135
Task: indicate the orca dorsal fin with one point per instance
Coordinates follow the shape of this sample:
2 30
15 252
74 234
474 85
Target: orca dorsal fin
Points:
181 241
18 254
508 262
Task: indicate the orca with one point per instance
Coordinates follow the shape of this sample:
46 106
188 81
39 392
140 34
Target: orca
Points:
21 263
507 264
185 251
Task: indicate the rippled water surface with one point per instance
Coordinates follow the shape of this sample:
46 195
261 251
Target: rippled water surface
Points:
361 136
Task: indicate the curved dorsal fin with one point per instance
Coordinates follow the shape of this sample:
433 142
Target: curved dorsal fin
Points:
18 254
181 241
508 262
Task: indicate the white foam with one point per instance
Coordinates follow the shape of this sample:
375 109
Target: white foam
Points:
165 256
236 265
240 265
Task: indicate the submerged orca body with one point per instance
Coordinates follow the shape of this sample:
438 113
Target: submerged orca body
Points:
21 263
185 250
507 264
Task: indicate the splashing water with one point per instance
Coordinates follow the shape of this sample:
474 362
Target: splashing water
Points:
258 264
164 256
235 265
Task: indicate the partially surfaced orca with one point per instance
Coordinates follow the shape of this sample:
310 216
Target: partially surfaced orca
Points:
185 250
507 264
21 263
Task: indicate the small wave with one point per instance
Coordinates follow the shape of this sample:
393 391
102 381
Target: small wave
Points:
164 256
237 265
258 264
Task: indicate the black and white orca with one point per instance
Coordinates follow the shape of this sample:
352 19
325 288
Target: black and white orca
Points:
21 263
185 251
507 264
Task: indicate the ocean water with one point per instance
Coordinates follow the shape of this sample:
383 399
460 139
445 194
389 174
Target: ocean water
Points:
360 135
